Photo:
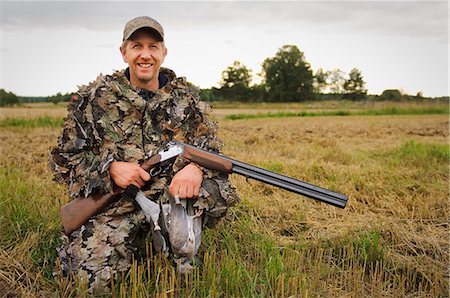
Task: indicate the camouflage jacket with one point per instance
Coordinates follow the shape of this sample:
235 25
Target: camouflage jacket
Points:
114 121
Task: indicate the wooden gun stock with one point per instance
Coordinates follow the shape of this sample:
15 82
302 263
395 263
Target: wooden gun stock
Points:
77 212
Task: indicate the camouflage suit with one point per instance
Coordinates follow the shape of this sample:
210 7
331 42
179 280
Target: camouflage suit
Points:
114 121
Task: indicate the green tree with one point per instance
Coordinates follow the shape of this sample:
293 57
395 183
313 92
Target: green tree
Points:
321 80
235 82
288 76
7 98
391 94
55 99
419 95
355 87
236 75
207 95
58 97
259 93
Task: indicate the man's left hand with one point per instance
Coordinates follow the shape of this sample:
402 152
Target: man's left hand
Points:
186 183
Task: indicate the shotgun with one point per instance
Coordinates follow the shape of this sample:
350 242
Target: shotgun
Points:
77 212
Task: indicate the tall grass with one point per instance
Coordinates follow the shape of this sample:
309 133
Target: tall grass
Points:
29 201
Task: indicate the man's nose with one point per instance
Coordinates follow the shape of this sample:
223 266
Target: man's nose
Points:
146 53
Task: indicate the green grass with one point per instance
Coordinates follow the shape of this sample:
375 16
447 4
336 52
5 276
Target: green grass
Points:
406 111
418 158
43 121
372 112
422 154
369 246
30 227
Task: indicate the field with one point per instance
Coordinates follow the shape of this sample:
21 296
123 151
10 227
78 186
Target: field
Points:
390 241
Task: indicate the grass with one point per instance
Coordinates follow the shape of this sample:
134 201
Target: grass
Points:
45 121
55 122
421 154
372 112
391 240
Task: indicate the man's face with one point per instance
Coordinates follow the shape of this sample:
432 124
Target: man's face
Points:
144 55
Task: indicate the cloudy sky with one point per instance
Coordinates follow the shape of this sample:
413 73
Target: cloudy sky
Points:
50 47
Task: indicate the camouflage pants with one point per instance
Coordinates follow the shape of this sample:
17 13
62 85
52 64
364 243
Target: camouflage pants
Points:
105 246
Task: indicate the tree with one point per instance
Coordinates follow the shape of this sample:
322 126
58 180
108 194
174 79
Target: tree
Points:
259 93
288 76
336 82
391 94
321 80
235 82
55 99
58 97
237 74
7 98
355 87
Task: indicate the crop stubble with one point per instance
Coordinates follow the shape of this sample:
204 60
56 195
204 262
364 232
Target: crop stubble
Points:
358 156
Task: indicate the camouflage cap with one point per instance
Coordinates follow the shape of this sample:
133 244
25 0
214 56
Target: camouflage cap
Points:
142 22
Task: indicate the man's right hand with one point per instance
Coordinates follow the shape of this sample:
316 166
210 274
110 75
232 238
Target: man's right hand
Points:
126 173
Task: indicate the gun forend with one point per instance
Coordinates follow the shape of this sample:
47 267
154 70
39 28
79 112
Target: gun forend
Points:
206 159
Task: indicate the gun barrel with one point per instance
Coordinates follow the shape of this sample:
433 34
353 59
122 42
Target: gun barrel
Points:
290 184
229 165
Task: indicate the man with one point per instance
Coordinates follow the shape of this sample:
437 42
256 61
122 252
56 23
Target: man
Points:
117 122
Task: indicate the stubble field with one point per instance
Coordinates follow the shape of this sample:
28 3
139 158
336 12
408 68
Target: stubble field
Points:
390 240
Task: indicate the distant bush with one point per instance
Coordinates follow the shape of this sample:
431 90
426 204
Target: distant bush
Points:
391 94
7 98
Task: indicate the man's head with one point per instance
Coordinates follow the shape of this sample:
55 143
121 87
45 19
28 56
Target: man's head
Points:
144 51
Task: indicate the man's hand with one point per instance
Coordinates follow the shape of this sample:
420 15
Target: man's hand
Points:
186 183
126 173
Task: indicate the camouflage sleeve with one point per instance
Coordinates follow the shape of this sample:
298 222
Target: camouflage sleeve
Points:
81 158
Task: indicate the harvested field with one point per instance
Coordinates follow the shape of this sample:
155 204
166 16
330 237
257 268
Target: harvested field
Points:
390 240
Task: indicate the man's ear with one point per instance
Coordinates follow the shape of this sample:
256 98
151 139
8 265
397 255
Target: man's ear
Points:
122 51
164 54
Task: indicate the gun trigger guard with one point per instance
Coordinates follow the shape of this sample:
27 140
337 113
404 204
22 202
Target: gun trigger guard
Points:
155 171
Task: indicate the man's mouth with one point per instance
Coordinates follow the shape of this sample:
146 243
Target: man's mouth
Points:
145 65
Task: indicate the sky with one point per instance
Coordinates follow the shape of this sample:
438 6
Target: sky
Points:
55 46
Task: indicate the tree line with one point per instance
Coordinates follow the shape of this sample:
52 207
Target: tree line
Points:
9 98
288 77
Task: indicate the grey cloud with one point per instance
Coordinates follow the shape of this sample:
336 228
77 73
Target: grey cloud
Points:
106 45
20 15
402 18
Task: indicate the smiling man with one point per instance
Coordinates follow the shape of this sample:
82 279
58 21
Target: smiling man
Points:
117 122
144 51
